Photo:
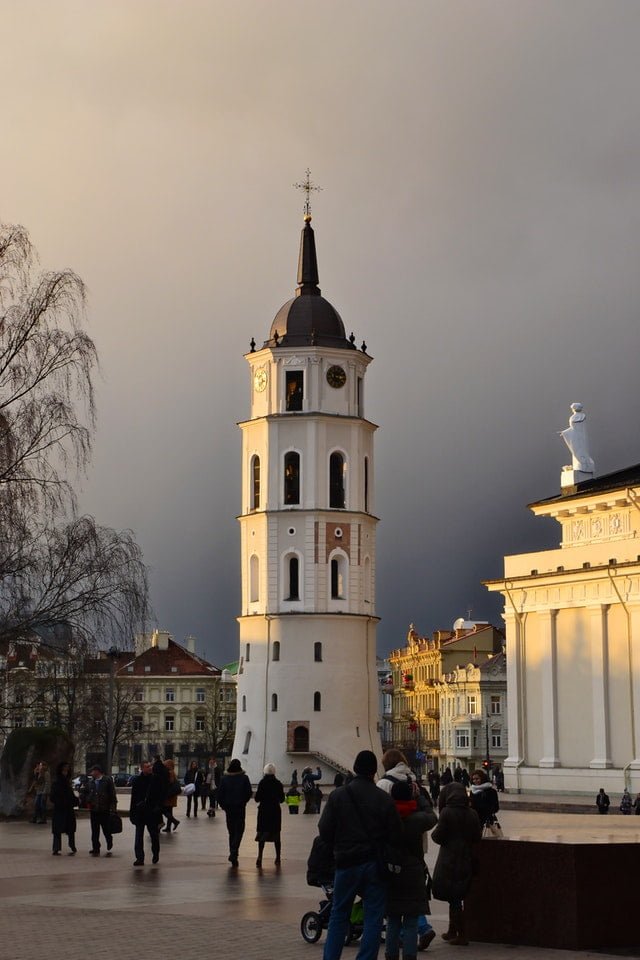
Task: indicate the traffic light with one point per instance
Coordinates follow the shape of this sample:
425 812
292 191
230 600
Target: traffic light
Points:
486 764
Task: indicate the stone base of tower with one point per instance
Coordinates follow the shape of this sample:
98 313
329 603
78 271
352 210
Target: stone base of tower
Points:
307 693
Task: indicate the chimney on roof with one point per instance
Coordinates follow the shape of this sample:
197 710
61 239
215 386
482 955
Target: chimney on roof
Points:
141 642
160 639
190 643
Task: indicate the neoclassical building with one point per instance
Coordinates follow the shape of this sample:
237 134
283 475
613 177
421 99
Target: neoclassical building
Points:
307 682
573 639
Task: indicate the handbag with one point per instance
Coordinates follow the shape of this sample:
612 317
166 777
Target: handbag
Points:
492 831
115 823
189 789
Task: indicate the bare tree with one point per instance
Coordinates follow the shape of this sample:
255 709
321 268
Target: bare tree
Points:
54 566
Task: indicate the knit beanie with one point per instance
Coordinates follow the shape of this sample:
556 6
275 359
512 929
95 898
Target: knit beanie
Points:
365 764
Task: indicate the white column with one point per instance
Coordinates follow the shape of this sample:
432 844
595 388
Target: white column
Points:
515 686
634 667
600 687
547 621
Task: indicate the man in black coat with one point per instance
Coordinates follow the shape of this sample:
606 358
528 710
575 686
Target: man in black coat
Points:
102 802
357 820
233 795
147 799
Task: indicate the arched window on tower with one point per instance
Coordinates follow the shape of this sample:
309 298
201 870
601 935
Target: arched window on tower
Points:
294 389
337 470
274 702
247 742
291 477
317 701
244 703
292 566
338 578
254 579
317 651
276 650
366 484
255 483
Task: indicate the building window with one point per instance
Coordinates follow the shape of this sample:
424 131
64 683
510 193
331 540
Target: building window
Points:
18 721
170 695
254 579
200 695
274 702
294 384
247 742
366 484
317 701
276 650
255 483
367 580
496 705
338 568
317 651
462 738
138 696
472 704
169 724
293 565
39 721
244 703
247 653
199 724
359 390
337 470
137 723
291 477
496 739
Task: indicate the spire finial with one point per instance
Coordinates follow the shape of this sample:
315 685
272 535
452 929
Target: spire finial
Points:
308 186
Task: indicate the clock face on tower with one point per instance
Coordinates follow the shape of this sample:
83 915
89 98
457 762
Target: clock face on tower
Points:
336 377
260 380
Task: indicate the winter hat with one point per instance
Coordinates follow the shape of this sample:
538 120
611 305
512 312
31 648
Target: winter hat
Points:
365 764
402 790
234 767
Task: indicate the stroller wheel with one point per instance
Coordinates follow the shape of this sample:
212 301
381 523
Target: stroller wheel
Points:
311 927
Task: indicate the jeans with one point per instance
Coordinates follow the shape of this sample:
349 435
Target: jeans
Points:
40 808
404 926
153 826
363 879
423 925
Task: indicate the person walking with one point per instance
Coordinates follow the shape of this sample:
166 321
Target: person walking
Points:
308 785
602 801
434 785
41 787
626 803
483 798
63 818
102 802
212 783
269 796
355 823
173 791
145 811
408 899
457 830
234 794
194 776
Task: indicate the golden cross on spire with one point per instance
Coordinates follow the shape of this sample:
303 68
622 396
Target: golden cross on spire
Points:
307 186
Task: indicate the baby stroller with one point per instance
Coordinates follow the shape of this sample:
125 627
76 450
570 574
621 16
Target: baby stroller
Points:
320 872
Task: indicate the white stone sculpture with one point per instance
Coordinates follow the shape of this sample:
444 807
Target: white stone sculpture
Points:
575 437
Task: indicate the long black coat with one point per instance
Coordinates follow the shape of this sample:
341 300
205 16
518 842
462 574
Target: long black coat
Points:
63 819
484 800
270 794
234 790
407 894
458 829
146 788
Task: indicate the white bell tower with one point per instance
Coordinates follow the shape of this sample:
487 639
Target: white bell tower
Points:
307 683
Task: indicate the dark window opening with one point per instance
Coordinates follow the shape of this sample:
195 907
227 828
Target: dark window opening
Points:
366 484
294 387
294 575
274 702
291 477
317 652
255 493
336 481
317 701
301 738
276 649
337 580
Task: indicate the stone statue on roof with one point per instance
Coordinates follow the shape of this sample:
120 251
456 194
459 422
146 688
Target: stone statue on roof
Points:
575 437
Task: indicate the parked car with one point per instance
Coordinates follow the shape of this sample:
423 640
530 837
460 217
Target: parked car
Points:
122 779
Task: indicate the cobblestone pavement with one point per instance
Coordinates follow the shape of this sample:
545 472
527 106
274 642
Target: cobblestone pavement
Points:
193 905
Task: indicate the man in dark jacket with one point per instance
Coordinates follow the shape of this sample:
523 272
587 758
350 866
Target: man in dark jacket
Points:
102 802
356 821
233 795
147 798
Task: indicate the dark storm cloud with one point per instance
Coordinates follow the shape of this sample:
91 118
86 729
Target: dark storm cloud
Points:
479 228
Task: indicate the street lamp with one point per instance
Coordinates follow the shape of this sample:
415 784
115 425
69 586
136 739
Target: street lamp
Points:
113 653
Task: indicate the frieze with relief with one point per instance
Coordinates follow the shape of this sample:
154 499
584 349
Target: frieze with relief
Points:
611 526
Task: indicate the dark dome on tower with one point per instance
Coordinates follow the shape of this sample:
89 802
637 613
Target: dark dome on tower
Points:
308 319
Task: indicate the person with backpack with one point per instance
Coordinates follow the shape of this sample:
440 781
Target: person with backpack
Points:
309 789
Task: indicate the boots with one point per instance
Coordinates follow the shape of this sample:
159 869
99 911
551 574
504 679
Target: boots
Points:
451 932
460 939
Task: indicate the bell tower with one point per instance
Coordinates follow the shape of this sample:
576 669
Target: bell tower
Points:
307 683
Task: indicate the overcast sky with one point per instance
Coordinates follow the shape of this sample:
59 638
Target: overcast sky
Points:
479 227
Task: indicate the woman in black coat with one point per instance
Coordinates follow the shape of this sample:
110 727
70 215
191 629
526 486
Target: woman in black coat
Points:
407 897
269 796
484 798
458 829
64 801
